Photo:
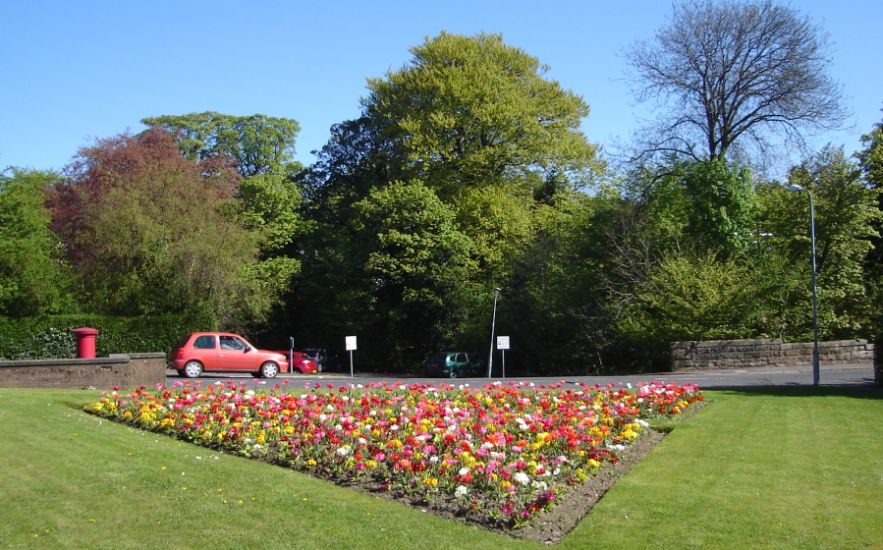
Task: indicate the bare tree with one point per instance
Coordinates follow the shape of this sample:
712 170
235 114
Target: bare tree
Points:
728 70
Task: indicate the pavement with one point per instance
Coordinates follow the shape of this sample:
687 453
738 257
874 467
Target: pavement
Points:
861 374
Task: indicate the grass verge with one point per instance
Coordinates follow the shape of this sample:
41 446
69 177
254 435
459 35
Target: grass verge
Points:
764 468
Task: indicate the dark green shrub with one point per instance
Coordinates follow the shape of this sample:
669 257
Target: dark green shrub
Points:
51 336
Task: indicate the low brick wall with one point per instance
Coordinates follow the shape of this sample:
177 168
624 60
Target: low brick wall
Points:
125 371
732 354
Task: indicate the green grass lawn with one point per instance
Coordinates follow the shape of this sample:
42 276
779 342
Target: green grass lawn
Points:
777 468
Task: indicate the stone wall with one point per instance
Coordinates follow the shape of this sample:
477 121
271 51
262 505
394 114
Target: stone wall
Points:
734 354
125 371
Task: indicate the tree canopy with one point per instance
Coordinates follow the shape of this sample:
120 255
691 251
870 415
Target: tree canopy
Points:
34 278
473 111
151 231
255 144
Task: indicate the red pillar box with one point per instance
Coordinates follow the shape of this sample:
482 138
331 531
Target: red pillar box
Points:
85 342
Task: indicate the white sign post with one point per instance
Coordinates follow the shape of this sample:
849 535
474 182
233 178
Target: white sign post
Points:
503 345
350 347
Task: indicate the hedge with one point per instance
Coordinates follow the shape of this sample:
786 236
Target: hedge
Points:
51 336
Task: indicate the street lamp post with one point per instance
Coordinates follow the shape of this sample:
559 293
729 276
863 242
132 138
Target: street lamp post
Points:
490 358
815 300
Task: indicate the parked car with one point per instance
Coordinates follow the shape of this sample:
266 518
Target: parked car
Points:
454 364
224 352
304 363
325 361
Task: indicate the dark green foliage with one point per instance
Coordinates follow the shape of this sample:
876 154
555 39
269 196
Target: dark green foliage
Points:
493 145
34 278
720 199
847 214
51 336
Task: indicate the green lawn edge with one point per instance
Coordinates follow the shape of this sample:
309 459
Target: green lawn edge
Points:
769 468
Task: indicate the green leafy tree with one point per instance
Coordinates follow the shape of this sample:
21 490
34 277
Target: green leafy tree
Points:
269 207
415 258
871 157
472 111
551 307
261 148
34 278
477 123
693 297
846 215
255 144
150 231
870 160
721 203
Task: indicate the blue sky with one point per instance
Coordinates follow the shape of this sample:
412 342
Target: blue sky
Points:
77 71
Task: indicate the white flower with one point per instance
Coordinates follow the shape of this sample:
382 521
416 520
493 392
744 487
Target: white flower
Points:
343 451
521 478
461 491
641 422
433 459
463 471
541 485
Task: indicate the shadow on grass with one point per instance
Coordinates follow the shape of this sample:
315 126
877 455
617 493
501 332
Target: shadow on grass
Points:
857 391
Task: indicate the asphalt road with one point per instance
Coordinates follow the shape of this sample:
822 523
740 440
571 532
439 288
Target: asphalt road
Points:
830 375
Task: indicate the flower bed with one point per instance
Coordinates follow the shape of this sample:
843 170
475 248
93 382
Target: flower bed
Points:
499 454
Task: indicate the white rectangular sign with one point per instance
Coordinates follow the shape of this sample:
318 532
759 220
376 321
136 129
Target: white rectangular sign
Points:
502 342
350 343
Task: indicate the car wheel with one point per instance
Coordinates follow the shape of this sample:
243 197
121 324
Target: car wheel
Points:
192 369
269 370
453 374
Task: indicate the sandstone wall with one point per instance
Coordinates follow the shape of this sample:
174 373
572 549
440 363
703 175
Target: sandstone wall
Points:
125 371
733 354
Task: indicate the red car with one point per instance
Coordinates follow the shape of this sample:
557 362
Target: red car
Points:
300 361
223 351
